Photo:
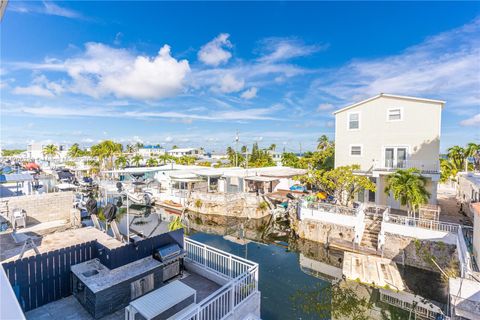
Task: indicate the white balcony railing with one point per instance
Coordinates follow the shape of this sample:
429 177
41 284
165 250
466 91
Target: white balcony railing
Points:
392 165
422 223
242 276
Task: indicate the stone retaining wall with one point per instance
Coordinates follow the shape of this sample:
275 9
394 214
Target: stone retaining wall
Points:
243 205
321 231
418 253
43 207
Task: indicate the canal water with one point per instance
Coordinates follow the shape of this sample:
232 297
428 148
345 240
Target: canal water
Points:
294 277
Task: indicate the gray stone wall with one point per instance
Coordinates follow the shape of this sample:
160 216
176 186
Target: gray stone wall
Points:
419 253
43 207
321 231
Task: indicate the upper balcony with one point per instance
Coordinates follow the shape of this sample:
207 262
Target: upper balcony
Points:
426 167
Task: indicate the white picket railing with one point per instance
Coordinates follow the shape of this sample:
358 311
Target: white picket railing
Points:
422 223
241 273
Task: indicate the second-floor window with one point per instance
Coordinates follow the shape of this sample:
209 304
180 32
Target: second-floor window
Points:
394 114
354 121
355 150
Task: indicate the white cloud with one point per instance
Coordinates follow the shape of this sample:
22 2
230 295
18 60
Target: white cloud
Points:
445 67
250 93
34 90
46 7
325 107
40 87
228 84
473 121
55 10
168 139
215 52
102 70
279 49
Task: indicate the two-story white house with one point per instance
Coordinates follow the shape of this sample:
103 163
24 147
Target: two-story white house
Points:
180 152
389 132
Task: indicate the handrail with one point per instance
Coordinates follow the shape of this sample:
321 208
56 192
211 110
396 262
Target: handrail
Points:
422 223
242 275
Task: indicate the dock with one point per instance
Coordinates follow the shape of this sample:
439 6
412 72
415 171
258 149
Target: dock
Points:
372 270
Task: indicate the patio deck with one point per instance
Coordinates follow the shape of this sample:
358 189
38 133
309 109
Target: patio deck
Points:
54 241
70 309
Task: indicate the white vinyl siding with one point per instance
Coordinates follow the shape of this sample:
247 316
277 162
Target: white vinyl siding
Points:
356 151
394 114
354 121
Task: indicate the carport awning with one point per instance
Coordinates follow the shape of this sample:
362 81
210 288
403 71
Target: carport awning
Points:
261 179
15 177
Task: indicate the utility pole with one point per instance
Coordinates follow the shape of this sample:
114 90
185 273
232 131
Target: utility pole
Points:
300 149
236 149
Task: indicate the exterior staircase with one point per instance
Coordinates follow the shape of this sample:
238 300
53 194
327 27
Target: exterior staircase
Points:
373 224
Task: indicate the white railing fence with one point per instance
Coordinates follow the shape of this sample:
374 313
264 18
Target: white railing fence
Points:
422 223
425 166
241 273
463 255
408 305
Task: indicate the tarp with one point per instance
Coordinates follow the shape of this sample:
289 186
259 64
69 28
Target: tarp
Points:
15 177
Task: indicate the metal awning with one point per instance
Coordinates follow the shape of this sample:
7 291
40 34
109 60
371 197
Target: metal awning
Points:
261 179
15 177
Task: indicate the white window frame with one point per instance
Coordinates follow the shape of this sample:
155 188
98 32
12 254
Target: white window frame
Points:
359 120
395 153
394 108
355 145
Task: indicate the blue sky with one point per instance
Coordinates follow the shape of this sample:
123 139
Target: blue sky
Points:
194 73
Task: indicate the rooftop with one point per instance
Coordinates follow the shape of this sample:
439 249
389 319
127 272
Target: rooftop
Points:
389 96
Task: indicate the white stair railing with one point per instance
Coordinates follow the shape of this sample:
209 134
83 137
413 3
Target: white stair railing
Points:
242 284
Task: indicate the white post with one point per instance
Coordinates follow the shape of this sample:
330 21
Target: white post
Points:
128 221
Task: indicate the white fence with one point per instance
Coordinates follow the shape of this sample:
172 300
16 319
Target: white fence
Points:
242 276
463 255
406 302
422 223
391 165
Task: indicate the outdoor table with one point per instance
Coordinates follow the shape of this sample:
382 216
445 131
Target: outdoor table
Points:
157 302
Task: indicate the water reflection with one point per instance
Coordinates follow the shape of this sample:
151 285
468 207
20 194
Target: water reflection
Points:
299 279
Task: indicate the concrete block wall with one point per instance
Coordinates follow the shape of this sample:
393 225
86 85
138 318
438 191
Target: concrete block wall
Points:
43 207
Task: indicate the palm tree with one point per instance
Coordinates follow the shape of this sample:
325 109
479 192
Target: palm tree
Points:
105 151
130 148
121 161
272 147
164 158
175 224
75 151
152 162
472 150
50 151
408 187
457 155
137 159
323 142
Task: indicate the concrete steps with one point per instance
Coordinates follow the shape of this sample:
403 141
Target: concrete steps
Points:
373 225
